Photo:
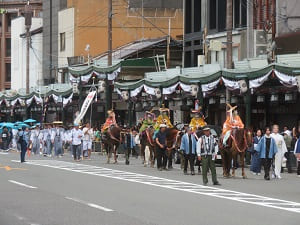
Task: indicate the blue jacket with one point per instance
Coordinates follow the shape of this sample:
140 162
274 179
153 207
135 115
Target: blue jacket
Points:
261 148
185 144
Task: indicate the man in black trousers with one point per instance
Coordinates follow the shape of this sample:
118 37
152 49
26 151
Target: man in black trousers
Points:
161 142
23 142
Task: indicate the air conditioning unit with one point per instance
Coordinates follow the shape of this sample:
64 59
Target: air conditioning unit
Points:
260 43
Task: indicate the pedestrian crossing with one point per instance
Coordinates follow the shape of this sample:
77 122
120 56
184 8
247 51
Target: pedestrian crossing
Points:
171 184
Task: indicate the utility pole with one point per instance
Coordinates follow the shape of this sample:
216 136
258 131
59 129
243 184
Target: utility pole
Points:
108 90
28 20
168 45
50 46
229 42
273 26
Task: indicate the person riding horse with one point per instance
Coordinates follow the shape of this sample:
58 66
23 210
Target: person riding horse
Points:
110 121
163 118
233 121
198 118
147 121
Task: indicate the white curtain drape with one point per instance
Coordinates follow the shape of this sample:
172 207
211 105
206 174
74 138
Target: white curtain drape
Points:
136 91
149 90
230 84
286 80
210 86
256 83
67 100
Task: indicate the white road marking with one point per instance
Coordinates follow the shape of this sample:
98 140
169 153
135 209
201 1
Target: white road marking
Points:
90 204
3 153
21 184
171 184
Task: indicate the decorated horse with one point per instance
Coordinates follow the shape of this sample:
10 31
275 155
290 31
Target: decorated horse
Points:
111 136
234 142
147 142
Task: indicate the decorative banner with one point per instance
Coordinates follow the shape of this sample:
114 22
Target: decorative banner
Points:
211 86
256 83
21 102
298 82
170 90
5 101
66 101
86 78
74 79
185 87
286 80
55 98
136 91
86 104
38 100
149 90
230 84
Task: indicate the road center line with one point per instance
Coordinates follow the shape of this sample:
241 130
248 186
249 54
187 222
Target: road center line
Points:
21 184
90 204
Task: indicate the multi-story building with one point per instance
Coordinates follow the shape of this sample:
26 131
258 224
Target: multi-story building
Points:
50 38
10 9
84 23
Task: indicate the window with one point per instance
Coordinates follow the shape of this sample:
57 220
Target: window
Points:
212 14
10 17
62 41
8 47
197 15
7 72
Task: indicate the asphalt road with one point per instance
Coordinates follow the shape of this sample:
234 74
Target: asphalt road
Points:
57 191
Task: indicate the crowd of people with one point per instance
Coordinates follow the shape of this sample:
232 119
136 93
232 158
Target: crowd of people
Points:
271 150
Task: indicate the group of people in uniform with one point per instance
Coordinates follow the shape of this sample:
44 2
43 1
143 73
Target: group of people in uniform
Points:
54 138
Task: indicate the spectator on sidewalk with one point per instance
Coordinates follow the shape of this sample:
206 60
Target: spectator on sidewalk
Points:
255 159
281 150
76 137
188 146
266 149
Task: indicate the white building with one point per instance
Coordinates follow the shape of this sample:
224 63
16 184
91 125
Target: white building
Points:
65 40
18 56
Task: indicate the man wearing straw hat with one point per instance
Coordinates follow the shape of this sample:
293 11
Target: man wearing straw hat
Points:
206 152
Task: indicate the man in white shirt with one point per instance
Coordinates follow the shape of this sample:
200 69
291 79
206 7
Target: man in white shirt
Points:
281 147
76 137
87 140
57 138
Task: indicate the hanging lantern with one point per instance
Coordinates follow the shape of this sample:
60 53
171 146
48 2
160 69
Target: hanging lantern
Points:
125 95
157 92
101 86
243 86
194 90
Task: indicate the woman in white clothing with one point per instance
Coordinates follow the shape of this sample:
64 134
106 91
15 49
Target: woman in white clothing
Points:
281 150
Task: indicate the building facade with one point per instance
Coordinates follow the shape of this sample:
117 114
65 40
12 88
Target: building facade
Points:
50 38
10 9
18 55
132 20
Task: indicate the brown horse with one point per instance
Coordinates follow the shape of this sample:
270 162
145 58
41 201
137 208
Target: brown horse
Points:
148 147
111 141
173 137
238 142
